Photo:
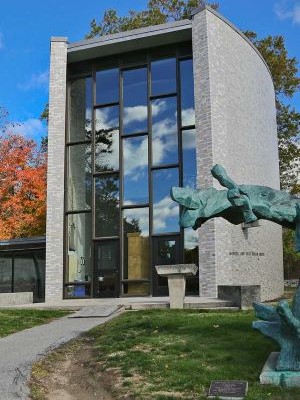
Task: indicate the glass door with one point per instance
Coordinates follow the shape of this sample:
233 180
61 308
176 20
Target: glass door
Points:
165 252
106 261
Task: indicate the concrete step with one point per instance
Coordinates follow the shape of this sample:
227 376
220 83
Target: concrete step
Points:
211 305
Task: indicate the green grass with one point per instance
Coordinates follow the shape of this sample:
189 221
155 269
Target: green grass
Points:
14 320
176 354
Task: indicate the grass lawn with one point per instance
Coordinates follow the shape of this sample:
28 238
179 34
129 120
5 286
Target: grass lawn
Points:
14 320
176 354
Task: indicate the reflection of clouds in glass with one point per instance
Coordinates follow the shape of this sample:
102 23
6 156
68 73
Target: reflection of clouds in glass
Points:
190 239
135 157
164 131
188 117
135 113
165 127
158 151
164 210
141 215
139 113
106 118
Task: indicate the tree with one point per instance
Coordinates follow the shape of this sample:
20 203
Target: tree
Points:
157 12
22 187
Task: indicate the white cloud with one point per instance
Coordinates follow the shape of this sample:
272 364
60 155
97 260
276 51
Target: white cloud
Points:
283 12
36 81
32 128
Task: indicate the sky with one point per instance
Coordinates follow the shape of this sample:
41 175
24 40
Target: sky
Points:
26 28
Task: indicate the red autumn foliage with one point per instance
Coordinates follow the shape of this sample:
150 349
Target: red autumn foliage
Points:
22 187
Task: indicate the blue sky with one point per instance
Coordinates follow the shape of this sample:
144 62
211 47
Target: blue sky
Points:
26 27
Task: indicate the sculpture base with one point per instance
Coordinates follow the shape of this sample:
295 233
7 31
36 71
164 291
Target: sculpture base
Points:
269 375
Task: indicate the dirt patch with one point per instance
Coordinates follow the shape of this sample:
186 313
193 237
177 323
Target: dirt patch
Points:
71 373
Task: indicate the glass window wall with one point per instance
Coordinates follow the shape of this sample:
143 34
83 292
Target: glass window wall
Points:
147 214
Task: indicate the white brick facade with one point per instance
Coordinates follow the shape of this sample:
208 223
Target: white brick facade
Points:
56 170
236 125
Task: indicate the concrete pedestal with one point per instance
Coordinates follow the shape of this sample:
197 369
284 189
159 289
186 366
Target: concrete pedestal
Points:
269 375
176 275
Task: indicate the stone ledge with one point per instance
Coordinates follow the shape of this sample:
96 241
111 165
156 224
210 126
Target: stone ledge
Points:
12 299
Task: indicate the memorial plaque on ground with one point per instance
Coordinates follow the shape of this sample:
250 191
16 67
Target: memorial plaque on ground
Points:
228 390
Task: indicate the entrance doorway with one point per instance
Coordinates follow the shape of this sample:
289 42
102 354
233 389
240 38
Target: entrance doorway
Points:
106 275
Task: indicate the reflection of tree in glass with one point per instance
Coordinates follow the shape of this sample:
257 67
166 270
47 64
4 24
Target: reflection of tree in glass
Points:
103 147
103 142
131 226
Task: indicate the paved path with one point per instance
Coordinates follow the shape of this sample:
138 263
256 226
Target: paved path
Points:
20 350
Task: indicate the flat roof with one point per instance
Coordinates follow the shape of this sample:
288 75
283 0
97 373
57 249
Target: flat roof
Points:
137 39
23 243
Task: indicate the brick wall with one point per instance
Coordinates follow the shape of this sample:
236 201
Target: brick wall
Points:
56 168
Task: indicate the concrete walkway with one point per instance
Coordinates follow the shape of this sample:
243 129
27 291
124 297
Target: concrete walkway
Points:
19 351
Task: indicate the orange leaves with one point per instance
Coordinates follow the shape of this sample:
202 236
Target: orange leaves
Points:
22 187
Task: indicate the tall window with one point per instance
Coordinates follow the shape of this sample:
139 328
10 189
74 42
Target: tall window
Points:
78 273
125 152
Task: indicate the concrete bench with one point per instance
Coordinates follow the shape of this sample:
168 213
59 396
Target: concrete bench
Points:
176 275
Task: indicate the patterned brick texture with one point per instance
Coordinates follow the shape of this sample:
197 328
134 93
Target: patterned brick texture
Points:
56 168
236 125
